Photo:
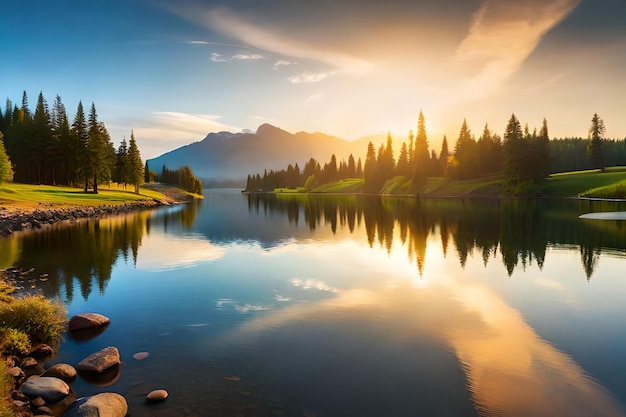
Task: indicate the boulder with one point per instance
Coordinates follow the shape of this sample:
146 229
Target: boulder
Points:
99 361
106 404
62 371
49 388
87 321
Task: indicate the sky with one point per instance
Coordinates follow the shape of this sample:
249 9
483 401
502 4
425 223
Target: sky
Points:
174 71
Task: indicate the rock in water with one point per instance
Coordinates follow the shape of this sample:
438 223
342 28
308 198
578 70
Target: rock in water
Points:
62 371
99 361
157 395
87 321
106 404
49 388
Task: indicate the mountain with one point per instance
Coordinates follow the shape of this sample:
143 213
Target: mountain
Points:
226 159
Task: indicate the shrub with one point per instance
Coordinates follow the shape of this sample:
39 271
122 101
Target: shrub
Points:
6 385
44 321
15 342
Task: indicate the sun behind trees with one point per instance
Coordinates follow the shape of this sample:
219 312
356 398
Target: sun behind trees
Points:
489 156
521 159
44 148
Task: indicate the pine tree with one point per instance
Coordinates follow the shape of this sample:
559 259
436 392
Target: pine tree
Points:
6 171
514 163
370 169
41 146
541 151
136 166
443 156
595 146
421 155
80 138
465 155
122 165
402 167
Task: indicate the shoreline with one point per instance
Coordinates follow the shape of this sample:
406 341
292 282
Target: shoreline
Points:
23 218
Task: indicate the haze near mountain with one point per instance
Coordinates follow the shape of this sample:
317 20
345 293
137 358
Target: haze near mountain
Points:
226 159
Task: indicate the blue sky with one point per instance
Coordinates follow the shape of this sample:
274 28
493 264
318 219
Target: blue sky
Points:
176 70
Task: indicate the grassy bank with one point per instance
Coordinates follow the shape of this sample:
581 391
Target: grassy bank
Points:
25 195
25 323
592 184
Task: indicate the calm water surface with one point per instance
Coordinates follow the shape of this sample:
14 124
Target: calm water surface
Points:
347 306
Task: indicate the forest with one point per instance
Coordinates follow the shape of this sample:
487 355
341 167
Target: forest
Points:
44 148
520 157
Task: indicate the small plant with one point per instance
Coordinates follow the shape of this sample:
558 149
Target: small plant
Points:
6 385
15 342
44 321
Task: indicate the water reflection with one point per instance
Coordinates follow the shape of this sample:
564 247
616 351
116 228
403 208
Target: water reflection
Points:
520 230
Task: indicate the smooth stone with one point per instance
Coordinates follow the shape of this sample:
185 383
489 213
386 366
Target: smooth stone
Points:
99 361
140 355
106 404
49 388
157 395
87 320
38 402
62 371
41 351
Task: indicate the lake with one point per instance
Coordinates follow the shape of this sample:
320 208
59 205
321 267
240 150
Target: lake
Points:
284 305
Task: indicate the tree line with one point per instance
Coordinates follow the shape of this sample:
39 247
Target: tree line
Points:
44 148
521 157
183 177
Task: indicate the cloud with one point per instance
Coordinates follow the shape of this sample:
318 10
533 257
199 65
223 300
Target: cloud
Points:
311 283
502 35
228 23
283 63
165 131
247 56
309 77
215 57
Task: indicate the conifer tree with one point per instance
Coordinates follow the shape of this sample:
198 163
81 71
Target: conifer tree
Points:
541 150
370 170
136 173
6 171
421 155
443 156
402 167
595 146
466 164
514 163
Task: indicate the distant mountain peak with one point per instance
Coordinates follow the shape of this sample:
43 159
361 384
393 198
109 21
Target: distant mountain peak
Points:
268 129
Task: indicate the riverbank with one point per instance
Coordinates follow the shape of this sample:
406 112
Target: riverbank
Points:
35 207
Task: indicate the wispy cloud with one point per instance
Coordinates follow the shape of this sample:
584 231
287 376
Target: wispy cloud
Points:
309 77
215 57
502 35
227 22
310 283
167 130
247 56
283 63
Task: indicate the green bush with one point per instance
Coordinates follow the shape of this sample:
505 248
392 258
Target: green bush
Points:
6 385
15 342
44 321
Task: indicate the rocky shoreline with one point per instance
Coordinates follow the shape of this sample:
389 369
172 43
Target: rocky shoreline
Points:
17 220
48 392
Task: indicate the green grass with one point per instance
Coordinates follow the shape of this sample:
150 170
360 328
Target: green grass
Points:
16 194
441 187
348 185
584 183
44 321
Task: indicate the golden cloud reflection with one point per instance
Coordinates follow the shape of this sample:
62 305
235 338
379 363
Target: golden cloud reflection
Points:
510 370
162 253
